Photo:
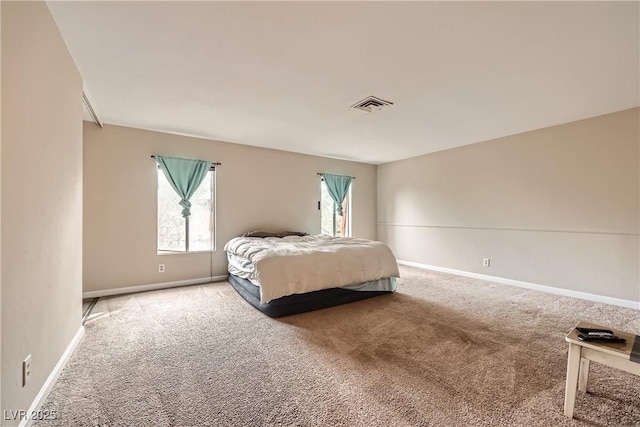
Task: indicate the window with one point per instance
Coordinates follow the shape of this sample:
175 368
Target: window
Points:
330 222
192 234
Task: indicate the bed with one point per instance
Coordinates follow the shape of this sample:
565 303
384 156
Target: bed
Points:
283 274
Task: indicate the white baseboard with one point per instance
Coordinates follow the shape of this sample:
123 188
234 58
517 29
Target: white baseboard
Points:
152 287
548 289
53 377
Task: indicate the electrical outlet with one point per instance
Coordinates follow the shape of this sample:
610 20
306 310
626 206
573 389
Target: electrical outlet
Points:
160 268
26 370
486 262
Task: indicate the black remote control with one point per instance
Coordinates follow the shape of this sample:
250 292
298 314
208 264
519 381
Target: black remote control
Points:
594 331
601 338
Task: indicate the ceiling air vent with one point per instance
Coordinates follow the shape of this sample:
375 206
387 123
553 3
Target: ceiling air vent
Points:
371 104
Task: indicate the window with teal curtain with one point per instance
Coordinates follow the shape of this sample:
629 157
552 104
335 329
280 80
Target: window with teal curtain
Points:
335 195
185 204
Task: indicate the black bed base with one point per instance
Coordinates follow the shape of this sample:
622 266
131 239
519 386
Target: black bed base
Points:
298 303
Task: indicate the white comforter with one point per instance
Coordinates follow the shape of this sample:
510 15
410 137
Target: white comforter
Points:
295 265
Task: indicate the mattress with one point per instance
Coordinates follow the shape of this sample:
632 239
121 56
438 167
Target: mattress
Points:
301 303
302 264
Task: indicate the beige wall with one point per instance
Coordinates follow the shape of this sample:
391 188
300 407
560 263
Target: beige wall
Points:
0 214
41 178
256 189
556 207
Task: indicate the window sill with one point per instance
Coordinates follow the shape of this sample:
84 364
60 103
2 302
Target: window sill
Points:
163 253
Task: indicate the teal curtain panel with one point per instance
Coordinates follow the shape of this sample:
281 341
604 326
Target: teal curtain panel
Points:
337 186
185 176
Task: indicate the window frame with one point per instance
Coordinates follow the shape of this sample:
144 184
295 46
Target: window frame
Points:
348 210
211 174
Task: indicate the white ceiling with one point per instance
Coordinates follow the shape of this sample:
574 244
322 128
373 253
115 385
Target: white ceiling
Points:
284 74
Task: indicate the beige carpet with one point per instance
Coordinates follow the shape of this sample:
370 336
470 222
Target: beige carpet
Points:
442 351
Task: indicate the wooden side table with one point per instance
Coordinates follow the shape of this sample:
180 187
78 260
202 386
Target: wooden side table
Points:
581 353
